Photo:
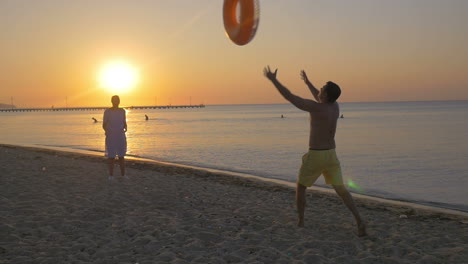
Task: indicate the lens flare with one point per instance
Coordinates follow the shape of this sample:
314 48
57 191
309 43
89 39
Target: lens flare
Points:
353 185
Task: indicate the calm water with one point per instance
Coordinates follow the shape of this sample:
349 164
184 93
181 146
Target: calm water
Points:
413 151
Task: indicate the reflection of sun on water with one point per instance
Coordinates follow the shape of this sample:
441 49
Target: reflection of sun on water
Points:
118 77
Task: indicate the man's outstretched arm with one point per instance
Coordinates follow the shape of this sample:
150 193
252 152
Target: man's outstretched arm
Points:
312 88
301 103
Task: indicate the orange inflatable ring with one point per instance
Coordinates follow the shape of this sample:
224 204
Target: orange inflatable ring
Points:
243 30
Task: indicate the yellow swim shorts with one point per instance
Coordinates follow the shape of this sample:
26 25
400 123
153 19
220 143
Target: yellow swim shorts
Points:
316 162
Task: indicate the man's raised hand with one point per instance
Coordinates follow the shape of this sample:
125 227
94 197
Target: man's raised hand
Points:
269 74
304 76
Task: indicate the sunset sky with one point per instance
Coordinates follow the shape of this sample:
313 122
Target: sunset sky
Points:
51 51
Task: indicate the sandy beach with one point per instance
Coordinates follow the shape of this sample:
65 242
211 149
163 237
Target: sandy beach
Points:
59 207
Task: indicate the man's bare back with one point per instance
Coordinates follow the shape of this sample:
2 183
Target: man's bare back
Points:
323 126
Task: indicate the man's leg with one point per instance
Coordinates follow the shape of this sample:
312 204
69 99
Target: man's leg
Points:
300 203
122 165
349 202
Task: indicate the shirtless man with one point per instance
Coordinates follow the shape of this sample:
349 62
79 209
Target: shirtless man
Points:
321 158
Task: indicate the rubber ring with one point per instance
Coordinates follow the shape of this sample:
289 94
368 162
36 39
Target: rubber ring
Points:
241 32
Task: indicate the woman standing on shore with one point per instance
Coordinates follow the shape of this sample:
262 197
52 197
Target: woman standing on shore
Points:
115 126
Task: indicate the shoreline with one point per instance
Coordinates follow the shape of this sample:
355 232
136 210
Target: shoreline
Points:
413 205
59 207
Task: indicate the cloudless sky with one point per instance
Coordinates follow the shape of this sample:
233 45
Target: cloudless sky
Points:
377 50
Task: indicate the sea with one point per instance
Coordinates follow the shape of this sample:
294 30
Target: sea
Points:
407 151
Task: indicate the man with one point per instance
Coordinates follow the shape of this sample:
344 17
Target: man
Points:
115 126
321 158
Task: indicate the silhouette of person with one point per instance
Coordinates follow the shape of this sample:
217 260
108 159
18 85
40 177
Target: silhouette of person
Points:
146 117
341 116
282 116
115 125
321 157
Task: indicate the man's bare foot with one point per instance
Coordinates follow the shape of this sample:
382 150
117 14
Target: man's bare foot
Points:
362 230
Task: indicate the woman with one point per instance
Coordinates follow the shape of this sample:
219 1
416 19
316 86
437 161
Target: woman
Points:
115 126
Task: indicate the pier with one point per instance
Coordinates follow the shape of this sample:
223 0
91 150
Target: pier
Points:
97 108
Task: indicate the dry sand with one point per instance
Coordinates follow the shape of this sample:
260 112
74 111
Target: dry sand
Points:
58 207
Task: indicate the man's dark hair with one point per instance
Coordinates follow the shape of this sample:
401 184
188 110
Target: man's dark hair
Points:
333 91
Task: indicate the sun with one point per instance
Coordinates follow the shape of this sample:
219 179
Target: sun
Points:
118 77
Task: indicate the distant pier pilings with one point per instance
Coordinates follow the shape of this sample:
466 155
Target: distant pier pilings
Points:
96 108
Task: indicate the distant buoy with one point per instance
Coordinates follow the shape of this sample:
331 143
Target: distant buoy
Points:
241 31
